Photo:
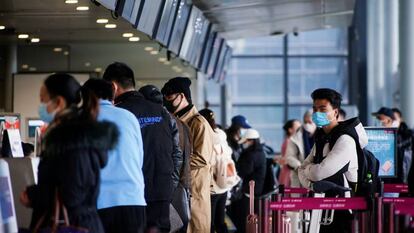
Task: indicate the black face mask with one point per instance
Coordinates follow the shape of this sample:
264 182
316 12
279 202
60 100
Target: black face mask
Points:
170 106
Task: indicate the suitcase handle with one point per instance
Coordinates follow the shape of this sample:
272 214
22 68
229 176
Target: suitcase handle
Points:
251 196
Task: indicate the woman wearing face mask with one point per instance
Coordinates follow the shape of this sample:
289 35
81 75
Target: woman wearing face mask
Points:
299 147
250 166
290 129
73 152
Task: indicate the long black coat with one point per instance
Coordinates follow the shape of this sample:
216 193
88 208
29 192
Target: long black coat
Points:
71 162
157 136
252 166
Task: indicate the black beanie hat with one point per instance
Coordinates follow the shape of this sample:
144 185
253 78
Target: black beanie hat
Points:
178 85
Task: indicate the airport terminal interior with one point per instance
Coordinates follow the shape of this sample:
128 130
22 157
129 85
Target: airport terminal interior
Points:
199 116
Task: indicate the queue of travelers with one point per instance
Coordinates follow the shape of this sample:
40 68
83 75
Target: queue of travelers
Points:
120 159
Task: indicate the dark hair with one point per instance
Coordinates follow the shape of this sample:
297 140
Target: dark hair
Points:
209 115
120 73
152 93
66 86
328 94
62 84
342 112
288 125
102 89
257 145
396 110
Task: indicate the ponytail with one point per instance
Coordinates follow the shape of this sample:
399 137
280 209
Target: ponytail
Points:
89 108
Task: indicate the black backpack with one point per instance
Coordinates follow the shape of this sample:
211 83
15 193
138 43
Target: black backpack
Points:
369 181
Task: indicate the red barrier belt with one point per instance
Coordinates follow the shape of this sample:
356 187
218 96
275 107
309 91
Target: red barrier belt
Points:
292 204
405 200
395 188
296 190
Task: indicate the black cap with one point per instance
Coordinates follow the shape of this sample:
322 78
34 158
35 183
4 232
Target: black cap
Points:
177 85
384 111
152 93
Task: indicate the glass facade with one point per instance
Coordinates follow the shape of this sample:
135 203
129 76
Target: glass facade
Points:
261 66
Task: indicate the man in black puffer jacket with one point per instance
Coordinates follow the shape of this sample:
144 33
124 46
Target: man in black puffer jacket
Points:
161 165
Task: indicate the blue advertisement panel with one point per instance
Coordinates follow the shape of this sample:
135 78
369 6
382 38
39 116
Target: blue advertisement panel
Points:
382 143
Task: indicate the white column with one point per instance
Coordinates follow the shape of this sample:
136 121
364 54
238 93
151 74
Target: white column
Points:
375 50
407 59
391 58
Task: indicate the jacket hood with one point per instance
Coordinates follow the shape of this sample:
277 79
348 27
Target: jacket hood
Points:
354 125
81 135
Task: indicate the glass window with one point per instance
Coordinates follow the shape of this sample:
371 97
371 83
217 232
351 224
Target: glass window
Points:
308 74
260 115
297 112
256 80
258 46
213 92
327 41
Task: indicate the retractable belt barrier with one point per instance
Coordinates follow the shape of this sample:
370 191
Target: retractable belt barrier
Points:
317 203
383 208
395 188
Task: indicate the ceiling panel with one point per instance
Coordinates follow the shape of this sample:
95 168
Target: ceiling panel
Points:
53 21
247 18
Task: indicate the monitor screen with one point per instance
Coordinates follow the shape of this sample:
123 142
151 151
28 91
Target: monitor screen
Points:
203 64
220 62
179 27
32 124
6 199
194 36
167 21
130 10
108 4
151 13
203 28
382 142
215 53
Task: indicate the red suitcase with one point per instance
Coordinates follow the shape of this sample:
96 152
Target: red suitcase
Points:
252 225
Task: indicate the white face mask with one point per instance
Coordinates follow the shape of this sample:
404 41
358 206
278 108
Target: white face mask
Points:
396 124
242 132
310 127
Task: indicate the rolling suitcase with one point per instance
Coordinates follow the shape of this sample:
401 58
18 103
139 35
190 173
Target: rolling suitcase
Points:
252 225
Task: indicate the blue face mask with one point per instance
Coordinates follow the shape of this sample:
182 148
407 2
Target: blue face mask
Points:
44 114
320 119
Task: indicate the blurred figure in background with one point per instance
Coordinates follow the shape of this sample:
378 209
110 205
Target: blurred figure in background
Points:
250 166
290 129
298 148
404 139
224 174
238 126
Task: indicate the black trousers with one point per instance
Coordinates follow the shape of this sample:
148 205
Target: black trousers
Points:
126 219
218 213
158 215
342 223
239 210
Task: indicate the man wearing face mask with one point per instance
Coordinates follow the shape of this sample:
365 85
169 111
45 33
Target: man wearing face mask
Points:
299 147
386 117
159 166
337 163
177 99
